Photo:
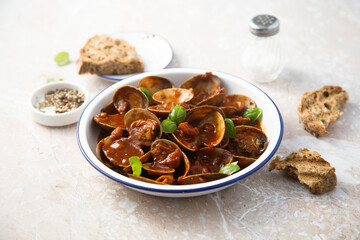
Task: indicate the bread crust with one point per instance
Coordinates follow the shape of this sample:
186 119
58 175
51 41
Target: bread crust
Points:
319 108
103 55
309 168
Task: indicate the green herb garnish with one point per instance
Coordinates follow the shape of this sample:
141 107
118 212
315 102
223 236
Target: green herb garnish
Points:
230 128
252 113
147 93
54 80
177 114
168 126
136 165
62 58
230 168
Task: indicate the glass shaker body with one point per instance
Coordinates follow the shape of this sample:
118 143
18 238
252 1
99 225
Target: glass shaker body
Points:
262 58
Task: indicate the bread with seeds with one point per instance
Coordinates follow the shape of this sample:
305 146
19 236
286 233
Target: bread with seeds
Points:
309 168
103 55
319 108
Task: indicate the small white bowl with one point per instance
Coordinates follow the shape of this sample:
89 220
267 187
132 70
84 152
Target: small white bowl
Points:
88 131
56 119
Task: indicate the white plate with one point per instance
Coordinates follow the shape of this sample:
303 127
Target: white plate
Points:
87 133
155 51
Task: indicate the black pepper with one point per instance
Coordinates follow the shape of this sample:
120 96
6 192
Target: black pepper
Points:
61 101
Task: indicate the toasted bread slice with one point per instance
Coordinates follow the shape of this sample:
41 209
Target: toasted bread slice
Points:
103 55
309 168
321 107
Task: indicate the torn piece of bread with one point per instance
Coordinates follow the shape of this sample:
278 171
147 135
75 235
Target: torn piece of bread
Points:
319 108
309 168
103 55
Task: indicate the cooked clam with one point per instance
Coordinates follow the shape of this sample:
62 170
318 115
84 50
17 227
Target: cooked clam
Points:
110 121
163 179
237 102
128 97
205 165
169 98
205 86
155 84
201 178
249 142
167 158
143 126
203 126
118 149
244 162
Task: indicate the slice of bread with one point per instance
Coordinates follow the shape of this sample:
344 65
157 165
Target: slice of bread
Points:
309 168
103 55
319 108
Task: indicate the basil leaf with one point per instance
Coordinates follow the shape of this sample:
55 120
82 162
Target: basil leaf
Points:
177 114
54 80
136 165
230 168
230 128
147 93
252 113
62 58
168 126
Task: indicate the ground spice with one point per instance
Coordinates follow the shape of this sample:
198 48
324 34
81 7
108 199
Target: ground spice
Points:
61 101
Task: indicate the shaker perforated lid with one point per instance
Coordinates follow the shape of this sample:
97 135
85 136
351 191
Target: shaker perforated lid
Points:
264 25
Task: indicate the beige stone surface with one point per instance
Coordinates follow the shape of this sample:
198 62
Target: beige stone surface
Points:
49 191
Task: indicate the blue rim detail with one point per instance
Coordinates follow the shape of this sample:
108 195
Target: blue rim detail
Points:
181 191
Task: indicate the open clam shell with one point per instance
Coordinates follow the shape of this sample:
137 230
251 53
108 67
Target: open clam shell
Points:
249 142
208 160
167 158
174 95
110 121
169 98
117 149
155 84
143 126
110 108
244 162
163 179
205 165
129 97
209 121
238 103
205 87
201 178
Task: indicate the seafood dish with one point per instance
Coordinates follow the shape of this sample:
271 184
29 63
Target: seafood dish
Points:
190 134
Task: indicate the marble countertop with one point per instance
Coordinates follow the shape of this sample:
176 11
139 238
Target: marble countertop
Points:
48 189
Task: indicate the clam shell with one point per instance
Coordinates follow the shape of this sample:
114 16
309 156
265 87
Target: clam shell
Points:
201 178
155 84
136 119
181 170
133 97
118 149
200 117
249 142
240 102
244 162
208 159
205 87
110 121
163 180
174 95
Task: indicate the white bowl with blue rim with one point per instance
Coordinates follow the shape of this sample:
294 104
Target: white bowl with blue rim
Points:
88 131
